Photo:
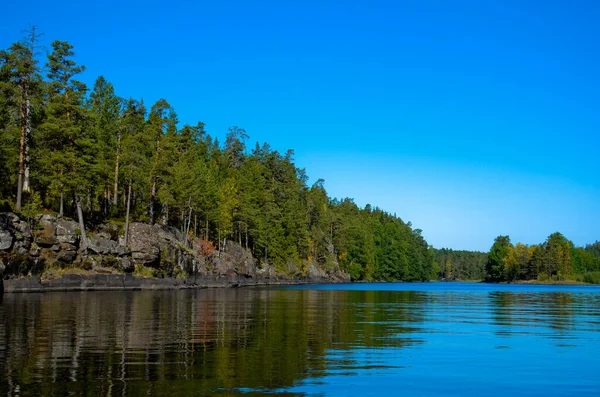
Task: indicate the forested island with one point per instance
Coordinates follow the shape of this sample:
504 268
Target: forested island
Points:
91 181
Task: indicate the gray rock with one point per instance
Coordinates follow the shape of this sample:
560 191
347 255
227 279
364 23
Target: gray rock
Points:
127 265
24 229
67 231
169 234
7 230
67 247
6 240
103 235
66 256
103 246
109 231
25 243
44 240
8 219
315 272
144 243
236 260
47 219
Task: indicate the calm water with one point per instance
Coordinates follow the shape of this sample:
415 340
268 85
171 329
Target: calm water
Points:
341 340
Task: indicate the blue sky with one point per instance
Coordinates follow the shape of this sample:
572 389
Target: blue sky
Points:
470 119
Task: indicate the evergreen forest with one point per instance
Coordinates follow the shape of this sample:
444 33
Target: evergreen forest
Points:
95 155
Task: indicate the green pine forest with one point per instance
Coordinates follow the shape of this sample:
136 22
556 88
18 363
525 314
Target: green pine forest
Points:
90 154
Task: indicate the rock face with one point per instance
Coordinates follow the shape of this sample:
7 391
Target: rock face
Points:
102 246
144 243
28 249
236 260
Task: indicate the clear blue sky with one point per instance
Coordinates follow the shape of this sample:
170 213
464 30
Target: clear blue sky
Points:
470 119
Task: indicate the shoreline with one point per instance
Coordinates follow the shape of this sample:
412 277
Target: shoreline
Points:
128 282
73 282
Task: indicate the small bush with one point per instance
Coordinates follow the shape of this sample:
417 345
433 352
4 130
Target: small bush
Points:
143 271
543 277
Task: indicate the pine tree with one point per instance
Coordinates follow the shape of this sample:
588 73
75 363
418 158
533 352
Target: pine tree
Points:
67 156
105 112
19 82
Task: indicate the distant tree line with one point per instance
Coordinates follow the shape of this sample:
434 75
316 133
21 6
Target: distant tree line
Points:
555 259
96 156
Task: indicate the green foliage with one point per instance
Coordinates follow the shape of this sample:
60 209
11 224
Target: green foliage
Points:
554 260
34 206
143 271
496 258
592 278
459 265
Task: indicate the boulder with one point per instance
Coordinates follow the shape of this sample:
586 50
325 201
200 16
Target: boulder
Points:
7 230
66 256
6 240
67 231
103 246
144 243
46 236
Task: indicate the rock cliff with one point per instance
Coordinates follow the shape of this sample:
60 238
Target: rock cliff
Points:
38 248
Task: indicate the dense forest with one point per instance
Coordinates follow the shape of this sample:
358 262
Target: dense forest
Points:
454 265
555 259
97 157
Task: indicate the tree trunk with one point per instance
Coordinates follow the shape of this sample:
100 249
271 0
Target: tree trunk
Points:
127 215
189 219
32 40
84 242
152 197
106 200
206 234
26 187
189 222
116 189
22 144
164 214
62 203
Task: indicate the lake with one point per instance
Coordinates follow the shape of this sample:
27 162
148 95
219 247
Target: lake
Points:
430 339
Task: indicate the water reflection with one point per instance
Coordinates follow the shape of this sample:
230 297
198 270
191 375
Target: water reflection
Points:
115 343
251 341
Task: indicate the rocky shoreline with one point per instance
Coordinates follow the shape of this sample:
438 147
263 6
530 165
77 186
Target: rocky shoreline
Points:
45 254
128 282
